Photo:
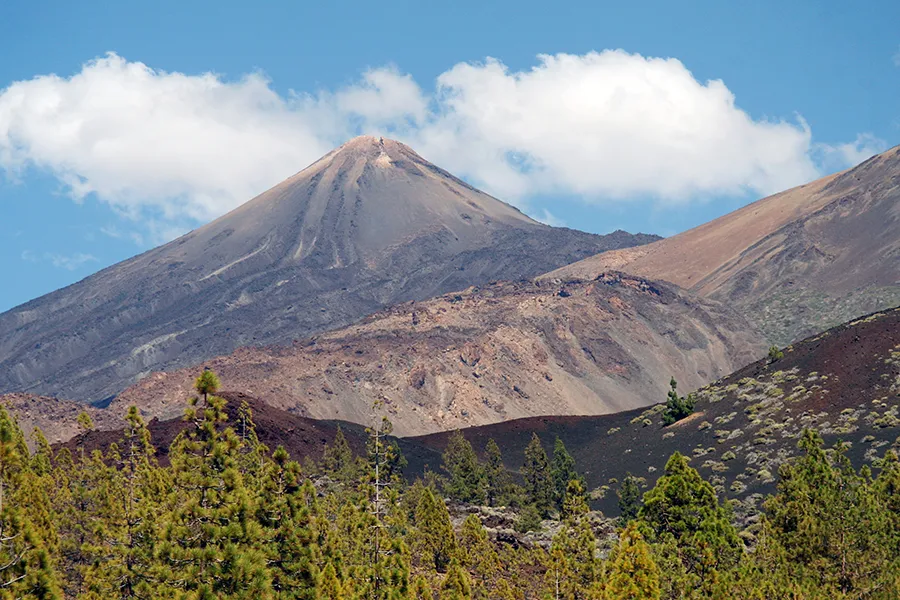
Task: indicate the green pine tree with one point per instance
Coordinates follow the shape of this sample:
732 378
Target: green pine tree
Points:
456 585
683 513
478 556
629 499
563 471
498 482
539 488
677 407
338 460
466 481
434 543
633 574
211 540
122 552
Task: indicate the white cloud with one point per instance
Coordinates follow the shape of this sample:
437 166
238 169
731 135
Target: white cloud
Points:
609 124
70 262
169 150
187 147
838 156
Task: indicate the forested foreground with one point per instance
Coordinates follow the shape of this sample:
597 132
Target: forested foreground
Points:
229 518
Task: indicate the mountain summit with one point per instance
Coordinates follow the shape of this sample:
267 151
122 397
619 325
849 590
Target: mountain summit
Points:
368 225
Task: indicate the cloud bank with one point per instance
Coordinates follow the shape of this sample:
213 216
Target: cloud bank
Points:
174 149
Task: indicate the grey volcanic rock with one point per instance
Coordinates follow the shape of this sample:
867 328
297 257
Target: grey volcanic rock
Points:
368 225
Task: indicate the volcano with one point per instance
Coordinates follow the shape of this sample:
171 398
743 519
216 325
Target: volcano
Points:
368 225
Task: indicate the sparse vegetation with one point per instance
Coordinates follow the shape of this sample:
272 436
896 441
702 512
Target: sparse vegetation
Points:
775 354
677 407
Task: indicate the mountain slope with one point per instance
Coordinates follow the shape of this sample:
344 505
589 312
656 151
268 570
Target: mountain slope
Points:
795 263
56 418
300 436
368 225
504 351
844 382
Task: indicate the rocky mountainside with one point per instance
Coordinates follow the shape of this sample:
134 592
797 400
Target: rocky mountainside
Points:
56 418
368 225
794 263
844 382
488 354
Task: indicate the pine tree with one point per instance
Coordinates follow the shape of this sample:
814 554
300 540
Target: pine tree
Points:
456 585
42 459
682 510
286 509
633 574
252 452
563 471
574 503
338 460
211 542
80 494
433 541
573 568
629 499
677 407
386 572
498 483
421 590
329 586
539 488
477 555
124 538
832 521
26 564
466 477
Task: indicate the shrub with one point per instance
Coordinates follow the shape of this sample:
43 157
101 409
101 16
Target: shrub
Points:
775 354
529 519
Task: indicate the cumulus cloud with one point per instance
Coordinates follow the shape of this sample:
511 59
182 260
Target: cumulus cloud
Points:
172 149
610 124
184 147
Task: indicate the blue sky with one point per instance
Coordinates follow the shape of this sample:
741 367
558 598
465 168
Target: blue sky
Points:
646 116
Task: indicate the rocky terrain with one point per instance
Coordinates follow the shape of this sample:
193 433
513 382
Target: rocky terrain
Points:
491 353
368 225
56 418
844 382
794 263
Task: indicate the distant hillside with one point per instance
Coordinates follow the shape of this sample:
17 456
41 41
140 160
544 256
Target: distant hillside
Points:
366 226
488 354
845 383
794 263
56 418
300 436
